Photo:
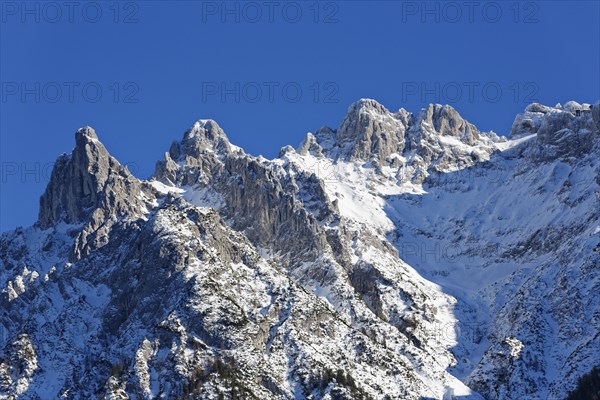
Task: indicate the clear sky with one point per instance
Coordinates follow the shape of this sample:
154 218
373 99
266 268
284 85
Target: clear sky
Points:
268 72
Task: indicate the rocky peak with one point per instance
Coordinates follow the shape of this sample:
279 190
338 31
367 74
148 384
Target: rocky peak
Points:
530 120
204 147
444 120
365 105
370 130
310 145
535 114
85 133
78 180
562 131
437 137
204 137
90 188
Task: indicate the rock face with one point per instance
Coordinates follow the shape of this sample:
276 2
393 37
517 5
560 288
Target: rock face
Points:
259 197
86 171
89 187
446 121
399 256
370 130
562 132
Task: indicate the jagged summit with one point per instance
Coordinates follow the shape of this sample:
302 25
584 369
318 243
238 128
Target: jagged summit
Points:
563 131
439 138
446 121
366 104
370 130
89 188
535 114
203 145
204 135
86 131
77 181
436 137
207 129
202 138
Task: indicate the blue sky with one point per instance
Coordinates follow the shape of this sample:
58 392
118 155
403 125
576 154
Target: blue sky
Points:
142 72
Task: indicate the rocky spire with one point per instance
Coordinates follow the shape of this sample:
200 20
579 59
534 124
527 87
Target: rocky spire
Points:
370 130
203 148
446 121
310 145
83 181
204 136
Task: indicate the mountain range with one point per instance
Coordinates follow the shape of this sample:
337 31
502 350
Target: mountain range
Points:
398 256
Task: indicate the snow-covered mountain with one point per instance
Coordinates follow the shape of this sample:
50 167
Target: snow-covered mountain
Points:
399 256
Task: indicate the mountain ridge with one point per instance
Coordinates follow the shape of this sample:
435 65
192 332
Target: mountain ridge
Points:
345 268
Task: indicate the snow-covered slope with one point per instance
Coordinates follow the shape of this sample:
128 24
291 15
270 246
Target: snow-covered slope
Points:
399 256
